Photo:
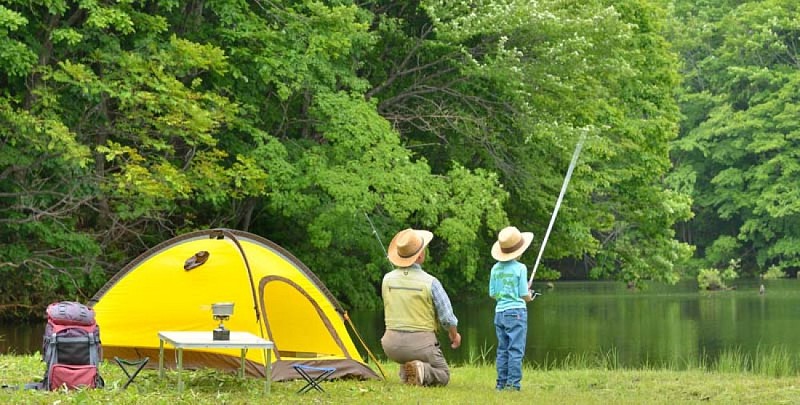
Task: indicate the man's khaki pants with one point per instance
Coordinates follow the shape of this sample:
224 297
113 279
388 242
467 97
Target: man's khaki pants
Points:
403 347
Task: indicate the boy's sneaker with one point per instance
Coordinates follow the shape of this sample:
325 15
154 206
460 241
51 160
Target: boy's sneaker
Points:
415 372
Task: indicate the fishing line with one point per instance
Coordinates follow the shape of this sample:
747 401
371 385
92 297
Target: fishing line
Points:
378 237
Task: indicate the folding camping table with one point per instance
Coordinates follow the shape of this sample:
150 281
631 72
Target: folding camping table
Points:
195 340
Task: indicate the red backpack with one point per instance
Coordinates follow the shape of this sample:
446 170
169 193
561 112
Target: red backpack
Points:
71 347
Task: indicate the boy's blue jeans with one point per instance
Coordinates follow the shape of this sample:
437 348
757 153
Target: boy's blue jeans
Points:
511 327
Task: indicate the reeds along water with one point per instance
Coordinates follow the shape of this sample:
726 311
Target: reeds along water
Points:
769 362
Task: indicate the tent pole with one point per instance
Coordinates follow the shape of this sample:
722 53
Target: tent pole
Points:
233 238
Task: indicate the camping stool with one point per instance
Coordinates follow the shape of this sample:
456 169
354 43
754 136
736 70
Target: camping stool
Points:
123 364
313 381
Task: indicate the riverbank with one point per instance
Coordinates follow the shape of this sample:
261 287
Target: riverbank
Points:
472 384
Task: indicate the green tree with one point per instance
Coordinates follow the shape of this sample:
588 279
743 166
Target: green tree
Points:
741 105
310 122
110 135
510 88
43 186
219 114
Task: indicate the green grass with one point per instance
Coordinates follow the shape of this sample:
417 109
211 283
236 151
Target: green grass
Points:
579 380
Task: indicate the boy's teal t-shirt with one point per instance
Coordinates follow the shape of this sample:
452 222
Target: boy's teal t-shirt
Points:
507 284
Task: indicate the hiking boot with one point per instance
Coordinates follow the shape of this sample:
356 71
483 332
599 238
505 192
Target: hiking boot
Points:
415 372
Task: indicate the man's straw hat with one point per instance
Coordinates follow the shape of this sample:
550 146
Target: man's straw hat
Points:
407 245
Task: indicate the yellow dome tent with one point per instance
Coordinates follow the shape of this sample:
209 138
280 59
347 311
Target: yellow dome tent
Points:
171 288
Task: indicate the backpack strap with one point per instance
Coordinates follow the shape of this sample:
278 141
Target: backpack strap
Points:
52 359
52 351
93 350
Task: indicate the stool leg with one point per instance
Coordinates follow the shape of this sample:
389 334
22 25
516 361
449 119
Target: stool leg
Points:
317 385
309 381
327 374
323 377
132 377
314 382
124 364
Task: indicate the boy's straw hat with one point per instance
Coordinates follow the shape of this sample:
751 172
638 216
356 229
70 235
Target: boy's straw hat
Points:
511 243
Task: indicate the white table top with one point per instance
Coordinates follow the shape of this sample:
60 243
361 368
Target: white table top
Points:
206 339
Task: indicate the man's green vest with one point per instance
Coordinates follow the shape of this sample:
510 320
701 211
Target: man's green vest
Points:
407 301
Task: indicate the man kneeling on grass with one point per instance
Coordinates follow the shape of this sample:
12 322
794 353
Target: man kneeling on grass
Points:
412 302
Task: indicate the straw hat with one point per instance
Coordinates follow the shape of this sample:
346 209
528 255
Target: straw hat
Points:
511 243
407 245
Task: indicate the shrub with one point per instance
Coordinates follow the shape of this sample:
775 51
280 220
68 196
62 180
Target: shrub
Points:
710 279
774 272
714 279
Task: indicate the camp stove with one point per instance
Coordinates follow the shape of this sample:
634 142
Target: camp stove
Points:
222 312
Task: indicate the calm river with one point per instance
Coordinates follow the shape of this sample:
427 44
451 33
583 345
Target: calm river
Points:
659 325
655 326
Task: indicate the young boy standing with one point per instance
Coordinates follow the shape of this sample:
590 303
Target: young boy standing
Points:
508 285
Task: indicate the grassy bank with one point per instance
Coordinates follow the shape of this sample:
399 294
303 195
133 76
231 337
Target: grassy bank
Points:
472 384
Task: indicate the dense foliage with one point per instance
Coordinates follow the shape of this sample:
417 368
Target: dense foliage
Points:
737 154
327 126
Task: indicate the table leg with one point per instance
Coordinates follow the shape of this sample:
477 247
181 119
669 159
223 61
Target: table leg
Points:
267 385
241 370
160 358
180 369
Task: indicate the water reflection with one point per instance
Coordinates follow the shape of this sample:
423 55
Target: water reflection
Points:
24 338
661 325
673 325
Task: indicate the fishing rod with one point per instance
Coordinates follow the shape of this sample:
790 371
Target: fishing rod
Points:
369 353
558 203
